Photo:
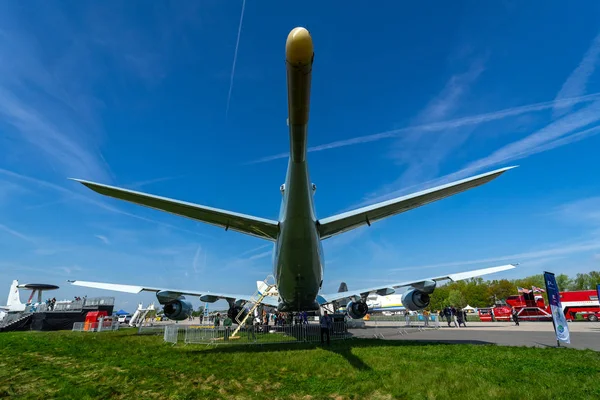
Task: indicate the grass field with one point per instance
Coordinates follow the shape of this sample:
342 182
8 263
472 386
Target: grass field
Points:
79 365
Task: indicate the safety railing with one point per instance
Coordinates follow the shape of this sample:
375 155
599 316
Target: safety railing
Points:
297 333
399 327
96 326
252 334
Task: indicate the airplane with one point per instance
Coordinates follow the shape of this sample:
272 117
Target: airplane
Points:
297 235
13 303
375 302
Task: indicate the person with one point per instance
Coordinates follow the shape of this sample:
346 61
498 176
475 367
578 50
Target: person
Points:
218 319
448 314
454 319
325 326
250 328
459 317
515 316
227 322
426 317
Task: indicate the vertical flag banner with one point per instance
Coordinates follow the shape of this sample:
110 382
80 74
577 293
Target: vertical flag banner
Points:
598 290
558 316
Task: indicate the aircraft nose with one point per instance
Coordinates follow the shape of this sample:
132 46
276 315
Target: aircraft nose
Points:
299 46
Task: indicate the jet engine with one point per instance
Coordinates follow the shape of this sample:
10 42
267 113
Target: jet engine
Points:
357 309
414 300
178 310
234 310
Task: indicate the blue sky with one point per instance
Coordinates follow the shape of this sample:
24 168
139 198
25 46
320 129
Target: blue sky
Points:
404 97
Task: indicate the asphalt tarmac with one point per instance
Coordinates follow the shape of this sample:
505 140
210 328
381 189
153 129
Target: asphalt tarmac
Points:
583 335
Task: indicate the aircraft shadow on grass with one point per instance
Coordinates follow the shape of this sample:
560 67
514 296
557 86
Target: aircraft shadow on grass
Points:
341 347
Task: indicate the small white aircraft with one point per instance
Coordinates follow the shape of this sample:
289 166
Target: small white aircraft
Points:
298 259
13 303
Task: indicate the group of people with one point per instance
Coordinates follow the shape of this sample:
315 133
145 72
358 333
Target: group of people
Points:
454 315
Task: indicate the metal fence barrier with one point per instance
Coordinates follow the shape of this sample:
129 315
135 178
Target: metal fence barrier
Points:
298 333
388 329
96 326
257 334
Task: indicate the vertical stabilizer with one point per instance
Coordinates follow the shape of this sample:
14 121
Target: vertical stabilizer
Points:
343 287
13 296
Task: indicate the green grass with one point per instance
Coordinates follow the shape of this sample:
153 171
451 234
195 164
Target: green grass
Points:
123 365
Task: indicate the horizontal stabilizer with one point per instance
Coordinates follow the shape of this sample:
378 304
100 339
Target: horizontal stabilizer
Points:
254 226
366 215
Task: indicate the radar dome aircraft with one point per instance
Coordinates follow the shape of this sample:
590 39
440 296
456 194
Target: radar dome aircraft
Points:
298 259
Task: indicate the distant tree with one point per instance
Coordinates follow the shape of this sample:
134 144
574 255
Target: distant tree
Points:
594 279
500 290
439 298
528 282
476 292
564 282
457 299
581 282
479 293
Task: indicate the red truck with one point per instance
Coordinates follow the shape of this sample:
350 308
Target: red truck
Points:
531 307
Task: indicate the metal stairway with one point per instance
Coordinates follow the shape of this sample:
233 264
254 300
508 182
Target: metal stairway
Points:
256 298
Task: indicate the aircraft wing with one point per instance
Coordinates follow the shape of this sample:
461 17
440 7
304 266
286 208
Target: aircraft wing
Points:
205 296
384 290
254 226
366 215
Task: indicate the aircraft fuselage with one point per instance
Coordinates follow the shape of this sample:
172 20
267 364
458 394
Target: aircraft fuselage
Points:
298 254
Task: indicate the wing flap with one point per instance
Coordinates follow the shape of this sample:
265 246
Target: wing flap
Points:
366 215
386 288
250 225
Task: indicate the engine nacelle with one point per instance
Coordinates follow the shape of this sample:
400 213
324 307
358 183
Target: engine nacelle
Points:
233 312
178 310
357 309
414 300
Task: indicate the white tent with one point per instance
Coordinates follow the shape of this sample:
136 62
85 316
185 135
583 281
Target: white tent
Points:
469 309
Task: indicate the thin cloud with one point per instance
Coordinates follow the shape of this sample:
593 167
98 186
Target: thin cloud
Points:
196 260
558 133
576 83
555 251
102 238
252 250
15 233
260 255
448 99
139 184
445 125
235 53
422 154
49 108
77 196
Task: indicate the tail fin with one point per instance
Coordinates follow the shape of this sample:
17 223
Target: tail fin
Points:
343 287
13 296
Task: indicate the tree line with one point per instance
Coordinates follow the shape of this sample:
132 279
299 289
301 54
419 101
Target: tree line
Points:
479 293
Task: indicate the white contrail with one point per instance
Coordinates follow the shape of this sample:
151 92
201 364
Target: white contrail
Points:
438 126
237 45
577 82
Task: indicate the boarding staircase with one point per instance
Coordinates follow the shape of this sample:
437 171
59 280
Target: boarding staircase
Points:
256 298
16 322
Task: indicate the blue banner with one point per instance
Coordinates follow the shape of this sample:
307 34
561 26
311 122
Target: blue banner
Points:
598 290
558 316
